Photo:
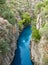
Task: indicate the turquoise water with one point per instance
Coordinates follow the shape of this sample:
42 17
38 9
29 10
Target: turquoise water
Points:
22 54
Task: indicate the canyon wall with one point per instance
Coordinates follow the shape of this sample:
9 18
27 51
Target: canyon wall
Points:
39 51
8 41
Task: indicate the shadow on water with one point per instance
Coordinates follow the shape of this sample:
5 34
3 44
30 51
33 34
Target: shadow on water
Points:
22 54
17 58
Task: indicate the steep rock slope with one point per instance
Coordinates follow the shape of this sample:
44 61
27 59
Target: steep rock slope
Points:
39 49
8 39
39 52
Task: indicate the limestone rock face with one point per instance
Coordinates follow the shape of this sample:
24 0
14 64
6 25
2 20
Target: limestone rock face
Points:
39 52
8 39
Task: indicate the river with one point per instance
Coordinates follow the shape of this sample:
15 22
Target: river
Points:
22 53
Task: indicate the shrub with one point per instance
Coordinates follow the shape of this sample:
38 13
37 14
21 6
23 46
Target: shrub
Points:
27 17
7 13
3 8
39 7
9 16
2 1
45 2
35 34
26 20
20 24
44 30
42 9
4 46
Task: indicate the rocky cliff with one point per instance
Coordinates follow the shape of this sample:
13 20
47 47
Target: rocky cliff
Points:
39 49
8 39
39 52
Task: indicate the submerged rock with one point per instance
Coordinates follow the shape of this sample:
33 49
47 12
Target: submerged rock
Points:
39 51
8 39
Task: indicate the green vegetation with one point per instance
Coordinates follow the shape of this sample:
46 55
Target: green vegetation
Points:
35 34
4 42
42 9
2 1
25 20
41 6
38 7
4 46
44 30
7 13
9 16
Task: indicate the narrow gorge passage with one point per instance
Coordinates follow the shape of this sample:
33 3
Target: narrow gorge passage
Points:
22 54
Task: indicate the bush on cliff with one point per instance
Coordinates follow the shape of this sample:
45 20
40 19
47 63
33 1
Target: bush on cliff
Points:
25 20
2 1
7 13
35 34
42 9
44 30
9 16
4 46
38 7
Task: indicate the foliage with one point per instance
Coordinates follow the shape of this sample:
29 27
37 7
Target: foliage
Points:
26 16
44 30
3 7
39 7
35 34
34 21
4 46
18 4
26 20
2 1
7 13
42 9
20 24
9 16
45 2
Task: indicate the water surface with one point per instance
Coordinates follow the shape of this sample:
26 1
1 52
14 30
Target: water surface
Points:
22 54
